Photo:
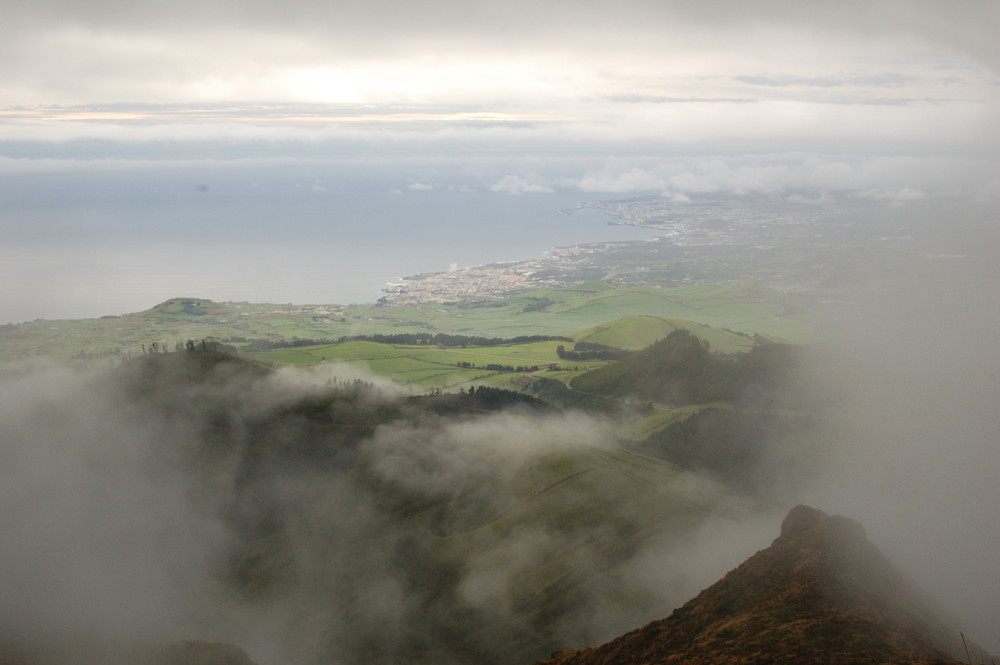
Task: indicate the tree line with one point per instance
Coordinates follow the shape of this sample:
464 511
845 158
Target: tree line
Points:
495 367
408 339
591 351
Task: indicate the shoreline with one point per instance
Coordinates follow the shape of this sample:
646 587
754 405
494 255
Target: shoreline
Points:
494 280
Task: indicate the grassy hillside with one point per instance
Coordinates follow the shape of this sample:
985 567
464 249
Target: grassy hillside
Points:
638 332
432 529
726 416
596 507
744 307
422 367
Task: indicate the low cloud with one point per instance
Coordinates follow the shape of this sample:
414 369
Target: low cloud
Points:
139 498
635 179
101 536
912 435
886 80
871 176
512 184
897 196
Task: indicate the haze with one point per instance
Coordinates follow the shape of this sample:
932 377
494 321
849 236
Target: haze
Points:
237 151
310 152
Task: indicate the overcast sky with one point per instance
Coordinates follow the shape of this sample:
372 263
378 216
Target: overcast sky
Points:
777 75
153 100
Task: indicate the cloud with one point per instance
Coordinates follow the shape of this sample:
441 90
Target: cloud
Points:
419 187
872 176
474 52
657 99
635 179
823 198
105 540
512 184
896 197
886 80
912 435
134 495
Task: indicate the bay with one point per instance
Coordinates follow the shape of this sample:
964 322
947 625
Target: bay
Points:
86 244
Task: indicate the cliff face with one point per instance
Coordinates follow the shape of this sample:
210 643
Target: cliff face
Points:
821 593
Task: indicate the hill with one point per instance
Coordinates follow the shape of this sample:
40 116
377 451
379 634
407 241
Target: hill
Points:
638 332
745 307
420 362
820 594
344 522
500 519
681 369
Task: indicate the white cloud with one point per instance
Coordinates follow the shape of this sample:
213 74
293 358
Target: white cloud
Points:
512 184
635 179
823 198
482 53
897 197
875 176
419 187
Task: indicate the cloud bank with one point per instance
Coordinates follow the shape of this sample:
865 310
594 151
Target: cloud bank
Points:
177 501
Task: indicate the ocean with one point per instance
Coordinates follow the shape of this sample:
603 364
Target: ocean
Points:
81 244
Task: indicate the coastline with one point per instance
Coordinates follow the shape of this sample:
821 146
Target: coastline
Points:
494 280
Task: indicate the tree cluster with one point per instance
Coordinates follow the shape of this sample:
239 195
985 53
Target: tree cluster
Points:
495 367
592 351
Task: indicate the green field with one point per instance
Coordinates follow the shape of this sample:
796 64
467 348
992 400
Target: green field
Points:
746 308
429 367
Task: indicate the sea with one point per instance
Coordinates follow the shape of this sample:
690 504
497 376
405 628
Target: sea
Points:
84 244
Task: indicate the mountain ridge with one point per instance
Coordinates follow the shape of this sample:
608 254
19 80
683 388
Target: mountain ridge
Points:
822 593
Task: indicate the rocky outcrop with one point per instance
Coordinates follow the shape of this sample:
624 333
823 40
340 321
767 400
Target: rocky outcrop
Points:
821 593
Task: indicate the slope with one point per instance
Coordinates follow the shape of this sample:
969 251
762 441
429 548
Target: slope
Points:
745 307
581 513
354 524
821 593
638 332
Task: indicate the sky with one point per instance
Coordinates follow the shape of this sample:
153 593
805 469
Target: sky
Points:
767 74
115 115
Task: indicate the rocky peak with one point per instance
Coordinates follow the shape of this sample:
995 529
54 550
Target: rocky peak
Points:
820 594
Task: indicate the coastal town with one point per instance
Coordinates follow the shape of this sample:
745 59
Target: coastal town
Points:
492 280
784 242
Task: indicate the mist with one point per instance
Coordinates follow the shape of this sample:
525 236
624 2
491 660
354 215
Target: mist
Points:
100 537
913 441
164 501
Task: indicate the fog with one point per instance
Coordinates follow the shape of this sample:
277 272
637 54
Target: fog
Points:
132 504
83 238
142 504
311 152
118 523
915 445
